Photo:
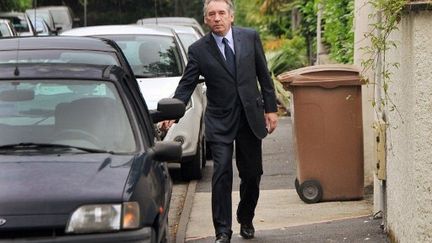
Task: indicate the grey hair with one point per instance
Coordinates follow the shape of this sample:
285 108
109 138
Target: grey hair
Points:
228 2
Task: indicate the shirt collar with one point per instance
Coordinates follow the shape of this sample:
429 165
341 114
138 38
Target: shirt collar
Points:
228 36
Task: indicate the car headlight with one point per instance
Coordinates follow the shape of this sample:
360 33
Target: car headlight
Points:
104 217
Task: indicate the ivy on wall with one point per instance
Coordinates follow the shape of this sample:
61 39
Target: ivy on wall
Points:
384 21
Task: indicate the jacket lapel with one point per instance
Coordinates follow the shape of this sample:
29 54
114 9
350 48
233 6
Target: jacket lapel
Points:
214 51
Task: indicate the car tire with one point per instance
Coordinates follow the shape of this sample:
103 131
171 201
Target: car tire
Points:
191 170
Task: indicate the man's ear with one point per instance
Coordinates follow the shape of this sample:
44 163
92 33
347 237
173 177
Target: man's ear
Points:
205 20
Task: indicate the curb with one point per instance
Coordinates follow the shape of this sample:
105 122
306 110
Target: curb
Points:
185 214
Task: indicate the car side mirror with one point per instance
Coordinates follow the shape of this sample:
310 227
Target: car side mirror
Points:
168 109
167 151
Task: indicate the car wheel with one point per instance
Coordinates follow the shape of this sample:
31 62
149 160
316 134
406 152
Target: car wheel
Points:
191 170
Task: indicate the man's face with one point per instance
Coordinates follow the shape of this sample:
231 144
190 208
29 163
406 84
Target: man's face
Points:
218 17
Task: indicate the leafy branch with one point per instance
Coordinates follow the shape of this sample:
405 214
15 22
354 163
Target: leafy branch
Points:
386 18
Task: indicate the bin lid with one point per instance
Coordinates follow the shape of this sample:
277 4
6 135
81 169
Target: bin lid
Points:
326 76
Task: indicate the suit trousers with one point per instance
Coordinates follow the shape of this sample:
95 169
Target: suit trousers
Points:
248 149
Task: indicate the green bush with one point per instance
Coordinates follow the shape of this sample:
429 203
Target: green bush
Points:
291 55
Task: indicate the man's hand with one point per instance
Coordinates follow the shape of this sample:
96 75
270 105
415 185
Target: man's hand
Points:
271 120
165 125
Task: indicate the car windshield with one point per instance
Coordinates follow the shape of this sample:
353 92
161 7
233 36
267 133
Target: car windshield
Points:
88 115
150 56
59 56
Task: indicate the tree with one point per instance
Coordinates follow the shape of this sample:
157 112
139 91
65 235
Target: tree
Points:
16 5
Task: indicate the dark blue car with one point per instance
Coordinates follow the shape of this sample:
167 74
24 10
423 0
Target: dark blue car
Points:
79 159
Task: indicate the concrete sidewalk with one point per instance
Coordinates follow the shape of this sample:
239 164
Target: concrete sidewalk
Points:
282 217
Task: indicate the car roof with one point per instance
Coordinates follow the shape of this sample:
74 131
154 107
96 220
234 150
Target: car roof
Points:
59 71
173 20
118 29
37 10
57 42
169 20
176 28
54 7
12 14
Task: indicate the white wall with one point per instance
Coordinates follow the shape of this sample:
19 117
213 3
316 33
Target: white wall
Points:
409 158
408 190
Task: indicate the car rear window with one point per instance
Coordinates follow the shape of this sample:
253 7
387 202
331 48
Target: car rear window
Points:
187 39
150 55
87 114
59 56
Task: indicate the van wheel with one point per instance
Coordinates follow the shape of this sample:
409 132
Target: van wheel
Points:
191 170
310 191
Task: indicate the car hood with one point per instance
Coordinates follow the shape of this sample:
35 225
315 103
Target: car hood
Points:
59 184
154 89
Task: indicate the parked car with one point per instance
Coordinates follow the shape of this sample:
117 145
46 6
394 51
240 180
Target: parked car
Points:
20 21
78 157
45 14
6 29
174 21
157 59
63 17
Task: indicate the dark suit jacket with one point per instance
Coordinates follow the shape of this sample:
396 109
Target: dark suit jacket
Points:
227 93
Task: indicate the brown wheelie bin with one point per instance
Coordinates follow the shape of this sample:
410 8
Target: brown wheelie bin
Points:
328 133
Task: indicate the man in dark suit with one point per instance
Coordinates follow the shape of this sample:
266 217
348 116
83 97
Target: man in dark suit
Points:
231 59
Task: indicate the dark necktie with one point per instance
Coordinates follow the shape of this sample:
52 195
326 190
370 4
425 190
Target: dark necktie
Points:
229 56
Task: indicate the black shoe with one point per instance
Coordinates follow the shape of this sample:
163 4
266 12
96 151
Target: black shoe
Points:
223 238
247 231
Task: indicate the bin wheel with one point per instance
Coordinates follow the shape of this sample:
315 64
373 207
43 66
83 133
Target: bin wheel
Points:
310 191
297 185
